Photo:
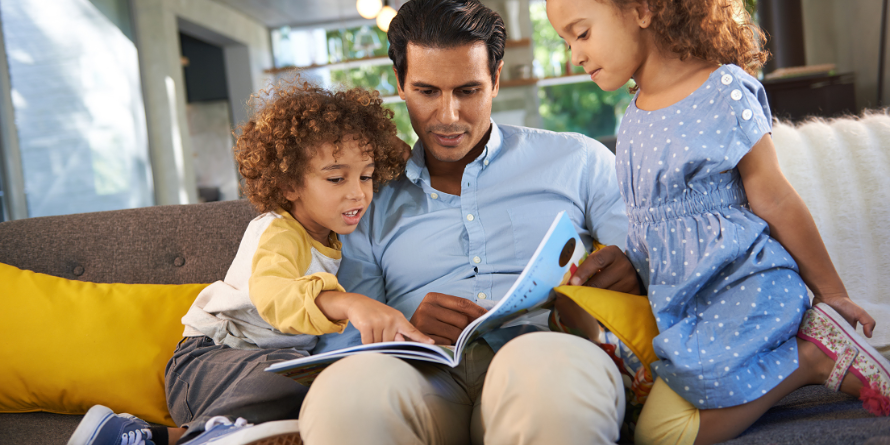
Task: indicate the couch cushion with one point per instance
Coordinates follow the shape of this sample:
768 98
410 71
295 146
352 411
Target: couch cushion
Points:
71 344
172 244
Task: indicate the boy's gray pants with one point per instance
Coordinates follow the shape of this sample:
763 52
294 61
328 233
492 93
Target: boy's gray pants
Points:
204 380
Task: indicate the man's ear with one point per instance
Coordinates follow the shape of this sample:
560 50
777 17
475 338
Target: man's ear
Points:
398 83
497 79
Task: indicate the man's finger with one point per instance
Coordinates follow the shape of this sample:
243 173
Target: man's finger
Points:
462 305
441 340
433 327
445 315
595 262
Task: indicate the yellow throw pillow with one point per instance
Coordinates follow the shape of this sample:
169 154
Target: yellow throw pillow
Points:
628 316
68 345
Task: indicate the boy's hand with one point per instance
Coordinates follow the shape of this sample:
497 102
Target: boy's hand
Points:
607 268
851 311
443 317
378 322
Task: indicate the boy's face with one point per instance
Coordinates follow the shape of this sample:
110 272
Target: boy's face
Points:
335 192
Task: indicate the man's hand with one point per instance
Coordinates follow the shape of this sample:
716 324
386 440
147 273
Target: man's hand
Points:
444 317
607 268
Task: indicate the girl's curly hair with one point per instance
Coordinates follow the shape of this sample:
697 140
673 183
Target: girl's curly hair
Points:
292 120
718 31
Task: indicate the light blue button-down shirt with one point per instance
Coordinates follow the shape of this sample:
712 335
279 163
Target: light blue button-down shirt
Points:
415 239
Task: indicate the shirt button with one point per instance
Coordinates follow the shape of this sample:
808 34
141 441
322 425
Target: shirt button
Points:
477 260
485 162
469 217
736 95
726 79
434 195
482 295
747 114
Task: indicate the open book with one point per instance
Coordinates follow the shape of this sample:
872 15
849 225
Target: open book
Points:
553 263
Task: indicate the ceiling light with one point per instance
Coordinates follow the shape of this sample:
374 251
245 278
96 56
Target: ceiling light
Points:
368 8
384 17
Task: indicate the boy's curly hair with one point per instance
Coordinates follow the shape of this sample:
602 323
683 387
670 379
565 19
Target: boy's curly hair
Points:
718 31
292 120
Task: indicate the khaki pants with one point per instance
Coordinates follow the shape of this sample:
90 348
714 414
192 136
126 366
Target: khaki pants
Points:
540 388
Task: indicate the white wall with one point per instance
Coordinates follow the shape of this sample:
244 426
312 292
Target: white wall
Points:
157 26
847 33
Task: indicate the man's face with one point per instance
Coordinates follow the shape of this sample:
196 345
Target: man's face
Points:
448 92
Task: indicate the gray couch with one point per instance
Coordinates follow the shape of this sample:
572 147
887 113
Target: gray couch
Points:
196 243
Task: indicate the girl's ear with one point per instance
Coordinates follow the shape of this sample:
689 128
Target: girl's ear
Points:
643 14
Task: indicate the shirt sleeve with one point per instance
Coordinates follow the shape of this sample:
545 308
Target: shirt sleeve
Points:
605 214
283 295
748 103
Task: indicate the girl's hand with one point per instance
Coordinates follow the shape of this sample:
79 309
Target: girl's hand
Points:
378 322
574 317
851 311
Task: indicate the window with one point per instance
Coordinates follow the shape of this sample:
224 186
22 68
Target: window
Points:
569 101
350 56
77 105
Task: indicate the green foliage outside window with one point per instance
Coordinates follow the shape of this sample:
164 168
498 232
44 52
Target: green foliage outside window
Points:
356 43
577 107
382 79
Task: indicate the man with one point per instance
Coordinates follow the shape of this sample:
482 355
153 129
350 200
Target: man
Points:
449 238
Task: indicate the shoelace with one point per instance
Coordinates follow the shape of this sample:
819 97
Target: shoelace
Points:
222 420
136 437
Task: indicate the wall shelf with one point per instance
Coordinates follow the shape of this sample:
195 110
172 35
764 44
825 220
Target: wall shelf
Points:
345 64
517 43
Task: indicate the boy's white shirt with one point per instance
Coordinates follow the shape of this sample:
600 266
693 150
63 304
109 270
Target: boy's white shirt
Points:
275 242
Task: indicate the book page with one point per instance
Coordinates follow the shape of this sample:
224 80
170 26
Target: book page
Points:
552 264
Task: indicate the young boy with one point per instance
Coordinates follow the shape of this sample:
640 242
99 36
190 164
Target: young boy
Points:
310 159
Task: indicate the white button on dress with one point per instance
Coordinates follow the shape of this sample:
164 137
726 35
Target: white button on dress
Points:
747 114
736 95
469 217
482 295
726 79
477 260
434 195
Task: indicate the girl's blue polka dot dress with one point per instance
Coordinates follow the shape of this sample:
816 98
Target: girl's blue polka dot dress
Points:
727 298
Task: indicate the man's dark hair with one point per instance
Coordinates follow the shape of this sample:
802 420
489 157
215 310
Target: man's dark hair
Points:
445 24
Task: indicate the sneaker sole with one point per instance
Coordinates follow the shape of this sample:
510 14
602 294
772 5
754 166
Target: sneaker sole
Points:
864 347
90 425
279 432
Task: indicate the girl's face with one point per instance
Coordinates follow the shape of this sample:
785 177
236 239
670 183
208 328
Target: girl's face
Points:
605 40
335 192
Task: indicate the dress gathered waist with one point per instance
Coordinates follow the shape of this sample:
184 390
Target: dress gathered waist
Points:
693 203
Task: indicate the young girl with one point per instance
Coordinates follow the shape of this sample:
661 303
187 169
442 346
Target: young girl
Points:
310 159
723 241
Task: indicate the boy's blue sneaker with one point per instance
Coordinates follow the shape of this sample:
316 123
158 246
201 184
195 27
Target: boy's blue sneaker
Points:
101 426
221 431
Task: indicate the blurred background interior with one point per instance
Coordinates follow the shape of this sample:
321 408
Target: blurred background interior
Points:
111 104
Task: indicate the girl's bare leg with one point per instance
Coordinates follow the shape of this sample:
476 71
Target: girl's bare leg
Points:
814 367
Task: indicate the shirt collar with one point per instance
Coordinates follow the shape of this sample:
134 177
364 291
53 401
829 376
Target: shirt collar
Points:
415 170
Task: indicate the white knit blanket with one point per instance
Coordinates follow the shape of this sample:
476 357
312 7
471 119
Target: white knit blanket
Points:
841 169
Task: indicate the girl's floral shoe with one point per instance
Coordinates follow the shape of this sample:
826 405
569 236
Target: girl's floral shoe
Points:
830 332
